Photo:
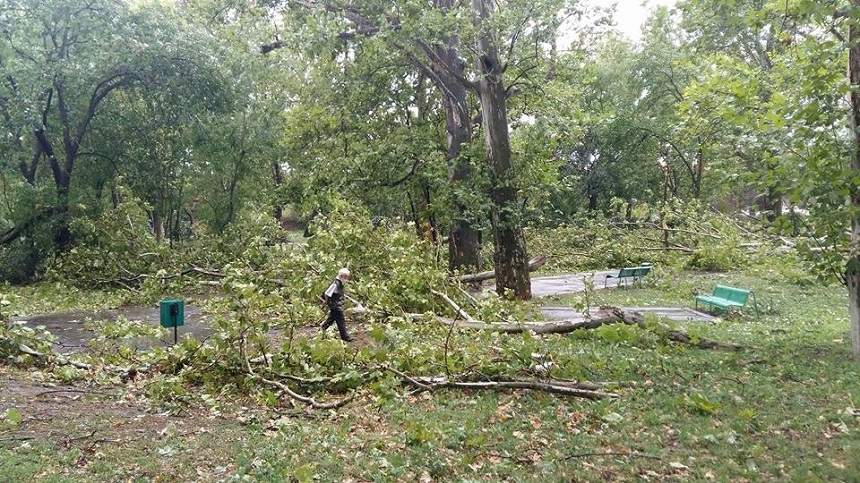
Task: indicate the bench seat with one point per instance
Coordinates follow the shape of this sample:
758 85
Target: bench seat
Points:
727 298
718 301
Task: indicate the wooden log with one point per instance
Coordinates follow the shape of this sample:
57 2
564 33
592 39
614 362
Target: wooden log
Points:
534 264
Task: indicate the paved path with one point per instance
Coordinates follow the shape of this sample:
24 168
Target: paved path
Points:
571 283
575 283
72 333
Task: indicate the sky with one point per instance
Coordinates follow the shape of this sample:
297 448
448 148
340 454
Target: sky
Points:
631 14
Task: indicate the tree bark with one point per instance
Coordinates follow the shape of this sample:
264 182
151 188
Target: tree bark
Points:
853 267
510 257
464 248
463 242
278 180
606 316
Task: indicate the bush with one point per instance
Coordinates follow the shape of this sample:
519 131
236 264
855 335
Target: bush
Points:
716 258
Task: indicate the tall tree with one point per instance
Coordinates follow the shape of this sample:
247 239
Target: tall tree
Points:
434 39
853 267
511 257
61 65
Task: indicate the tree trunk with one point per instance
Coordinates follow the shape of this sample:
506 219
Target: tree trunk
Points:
278 179
157 223
853 268
511 257
63 235
463 243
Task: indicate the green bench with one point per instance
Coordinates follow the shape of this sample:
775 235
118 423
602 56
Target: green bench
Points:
727 298
628 274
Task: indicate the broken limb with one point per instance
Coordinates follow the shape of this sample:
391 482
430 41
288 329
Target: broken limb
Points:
289 392
534 264
433 383
457 309
606 316
62 360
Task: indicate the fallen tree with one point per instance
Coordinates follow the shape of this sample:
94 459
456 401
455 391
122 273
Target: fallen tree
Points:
606 316
534 264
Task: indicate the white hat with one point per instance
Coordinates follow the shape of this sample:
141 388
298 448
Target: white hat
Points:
344 273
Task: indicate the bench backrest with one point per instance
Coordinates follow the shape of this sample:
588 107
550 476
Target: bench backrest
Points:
627 272
738 295
639 271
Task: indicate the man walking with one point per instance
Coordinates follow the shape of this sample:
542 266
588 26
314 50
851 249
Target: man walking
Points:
333 297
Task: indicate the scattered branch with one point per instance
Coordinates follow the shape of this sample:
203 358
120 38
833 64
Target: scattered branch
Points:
457 309
631 454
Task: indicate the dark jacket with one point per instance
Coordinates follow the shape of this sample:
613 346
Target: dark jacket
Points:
334 295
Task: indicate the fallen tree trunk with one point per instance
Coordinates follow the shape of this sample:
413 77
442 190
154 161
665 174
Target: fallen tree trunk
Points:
58 359
606 316
534 264
457 309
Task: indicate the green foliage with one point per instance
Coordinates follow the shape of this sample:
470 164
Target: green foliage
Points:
694 236
116 245
716 258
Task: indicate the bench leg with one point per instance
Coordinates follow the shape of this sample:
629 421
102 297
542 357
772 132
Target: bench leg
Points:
755 306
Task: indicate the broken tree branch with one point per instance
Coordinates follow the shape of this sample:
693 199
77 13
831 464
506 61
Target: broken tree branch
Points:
534 264
457 309
289 392
433 383
606 316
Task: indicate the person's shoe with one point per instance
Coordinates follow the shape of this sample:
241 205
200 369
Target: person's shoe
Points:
349 339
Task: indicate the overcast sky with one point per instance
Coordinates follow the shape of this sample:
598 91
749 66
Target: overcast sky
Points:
631 14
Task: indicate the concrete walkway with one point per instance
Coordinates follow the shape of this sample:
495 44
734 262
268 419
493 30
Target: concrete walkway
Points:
571 283
575 283
72 332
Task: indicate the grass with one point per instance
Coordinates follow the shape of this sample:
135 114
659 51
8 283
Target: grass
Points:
783 409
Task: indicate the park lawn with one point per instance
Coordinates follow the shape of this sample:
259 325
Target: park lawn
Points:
784 408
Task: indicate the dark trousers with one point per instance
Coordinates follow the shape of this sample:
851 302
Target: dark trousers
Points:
335 316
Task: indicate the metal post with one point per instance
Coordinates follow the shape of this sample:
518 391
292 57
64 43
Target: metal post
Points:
175 334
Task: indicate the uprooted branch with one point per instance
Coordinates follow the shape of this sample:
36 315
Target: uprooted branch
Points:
298 397
128 282
57 358
286 389
433 383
